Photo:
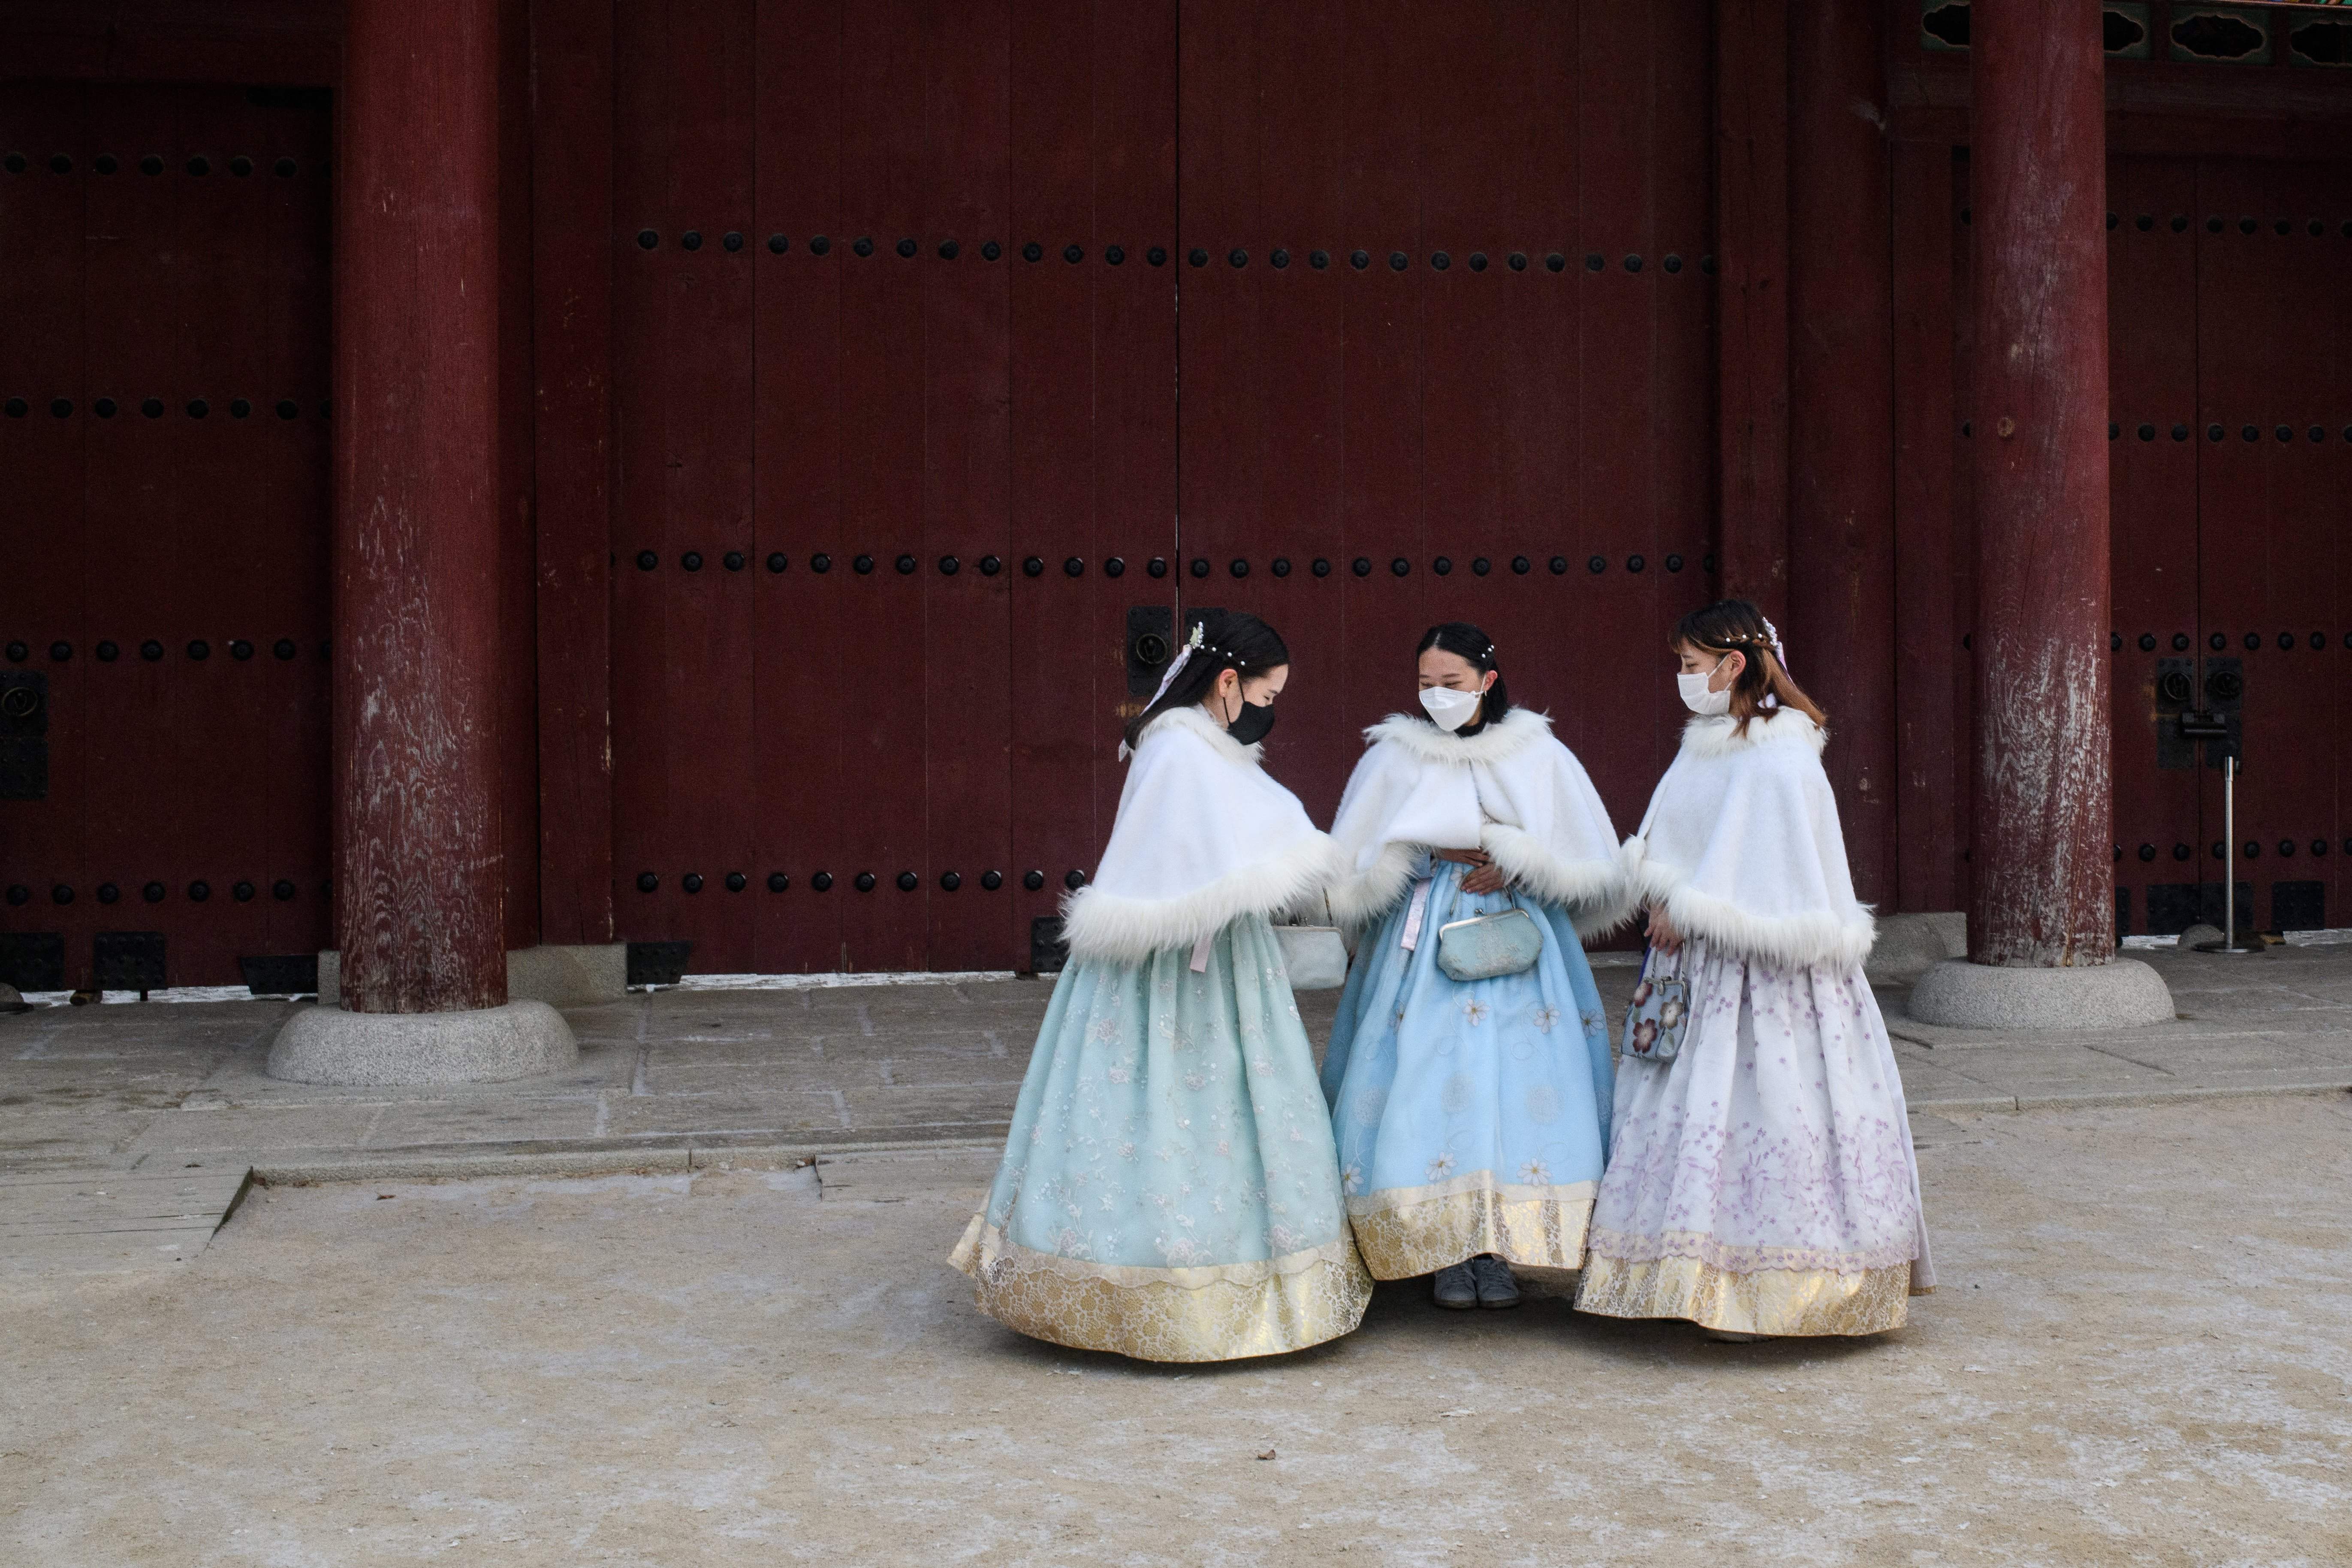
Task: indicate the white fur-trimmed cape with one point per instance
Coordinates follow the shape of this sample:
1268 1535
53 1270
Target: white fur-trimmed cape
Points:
1203 837
1742 849
1511 789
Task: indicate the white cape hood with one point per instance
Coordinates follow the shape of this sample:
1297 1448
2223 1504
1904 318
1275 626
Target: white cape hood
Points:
1742 847
1203 837
1511 789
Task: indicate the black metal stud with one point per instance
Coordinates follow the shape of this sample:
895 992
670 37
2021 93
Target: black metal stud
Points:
1521 565
647 881
1441 260
2318 433
991 880
282 889
1400 567
1197 256
863 245
1518 260
2114 430
732 240
2318 641
950 565
1321 567
1673 562
778 882
1399 261
1632 263
19 894
1073 254
1594 261
2284 432
1033 880
1238 567
1033 567
1361 566
2181 432
2180 642
1157 256
2148 852
1200 566
1073 880
287 408
1114 255
862 564
737 881
2182 852
820 563
108 893
200 891
778 245
2214 433
2148 642
1237 258
1635 562
1558 564
242 892
691 881
1555 262
1076 566
1360 259
2219 641
1114 567
283 168
1673 263
19 652
862 882
648 239
1280 566
151 165
991 565
61 650
951 880
200 165
2252 433
2253 850
239 649
908 881
238 407
732 561
1319 259
907 249
819 245
691 560
905 566
1477 261
16 162
61 893
2287 642
18 407
154 892
2147 432
778 561
2254 641
1443 565
1279 259
151 650
1596 564
107 651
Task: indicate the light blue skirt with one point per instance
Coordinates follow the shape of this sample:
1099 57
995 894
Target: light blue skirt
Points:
1471 1116
1169 1191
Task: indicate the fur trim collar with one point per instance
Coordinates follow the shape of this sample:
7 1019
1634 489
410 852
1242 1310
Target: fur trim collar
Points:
1506 737
1720 736
1195 718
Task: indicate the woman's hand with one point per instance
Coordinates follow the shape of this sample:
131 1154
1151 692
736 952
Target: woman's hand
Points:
1462 857
1663 934
1488 877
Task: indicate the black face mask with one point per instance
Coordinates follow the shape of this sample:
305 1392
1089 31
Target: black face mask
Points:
1251 724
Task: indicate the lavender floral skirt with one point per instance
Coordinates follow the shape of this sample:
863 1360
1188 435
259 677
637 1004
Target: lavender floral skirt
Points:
1763 1181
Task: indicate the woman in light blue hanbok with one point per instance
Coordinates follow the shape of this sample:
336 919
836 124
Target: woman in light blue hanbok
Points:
1471 1116
1169 1190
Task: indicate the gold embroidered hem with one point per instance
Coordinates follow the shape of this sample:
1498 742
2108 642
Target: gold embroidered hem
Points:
1407 1231
1219 1312
1779 1301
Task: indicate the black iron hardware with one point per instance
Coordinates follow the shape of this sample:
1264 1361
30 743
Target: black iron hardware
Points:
908 881
863 881
737 881
951 880
24 735
822 881
647 881
1033 880
778 882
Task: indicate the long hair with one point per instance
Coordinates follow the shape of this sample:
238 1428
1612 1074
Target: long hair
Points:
1230 639
1735 626
1465 641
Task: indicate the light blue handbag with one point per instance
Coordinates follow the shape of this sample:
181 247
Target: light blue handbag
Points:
1486 946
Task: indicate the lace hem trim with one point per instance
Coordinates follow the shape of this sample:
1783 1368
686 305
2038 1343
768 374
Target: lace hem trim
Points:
1772 1302
983 1247
1403 1232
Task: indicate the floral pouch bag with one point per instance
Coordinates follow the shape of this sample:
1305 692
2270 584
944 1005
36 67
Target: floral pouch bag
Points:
1660 1010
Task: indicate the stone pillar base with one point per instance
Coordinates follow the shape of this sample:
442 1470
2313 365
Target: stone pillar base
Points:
487 1044
2122 995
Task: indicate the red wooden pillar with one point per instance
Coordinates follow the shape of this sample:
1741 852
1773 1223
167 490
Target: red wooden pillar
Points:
2045 874
1841 594
419 855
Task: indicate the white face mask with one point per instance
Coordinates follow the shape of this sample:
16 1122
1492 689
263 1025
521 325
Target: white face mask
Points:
1698 698
1447 709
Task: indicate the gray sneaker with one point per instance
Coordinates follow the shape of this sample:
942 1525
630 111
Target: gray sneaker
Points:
1455 1287
1497 1288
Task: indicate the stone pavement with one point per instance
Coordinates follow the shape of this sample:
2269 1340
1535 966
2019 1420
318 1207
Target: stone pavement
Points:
689 1078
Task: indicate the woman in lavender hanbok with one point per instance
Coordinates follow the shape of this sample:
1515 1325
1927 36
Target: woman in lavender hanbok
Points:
1169 1191
1762 1180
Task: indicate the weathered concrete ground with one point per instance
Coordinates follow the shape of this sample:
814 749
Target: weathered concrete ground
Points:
2142 1355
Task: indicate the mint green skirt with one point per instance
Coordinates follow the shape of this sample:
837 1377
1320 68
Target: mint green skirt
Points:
1169 1190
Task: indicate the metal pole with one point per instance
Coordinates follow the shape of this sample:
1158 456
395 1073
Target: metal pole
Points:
2230 853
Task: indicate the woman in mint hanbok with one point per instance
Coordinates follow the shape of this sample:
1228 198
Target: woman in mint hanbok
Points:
1471 1116
1169 1191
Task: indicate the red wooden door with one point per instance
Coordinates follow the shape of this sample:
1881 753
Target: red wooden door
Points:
896 429
1445 307
162 263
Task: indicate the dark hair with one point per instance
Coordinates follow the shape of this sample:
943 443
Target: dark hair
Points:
1466 641
1735 626
1230 639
